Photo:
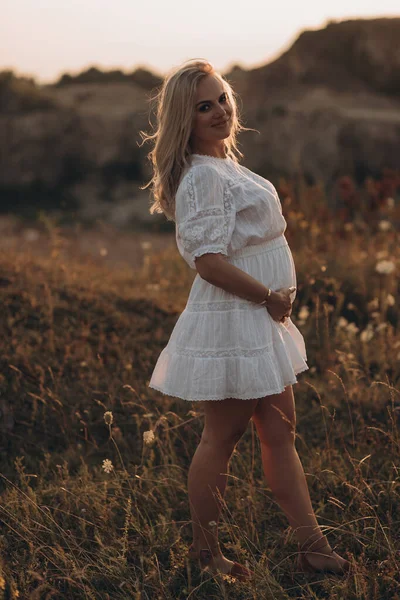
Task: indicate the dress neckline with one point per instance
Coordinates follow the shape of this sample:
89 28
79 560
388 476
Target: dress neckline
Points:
216 158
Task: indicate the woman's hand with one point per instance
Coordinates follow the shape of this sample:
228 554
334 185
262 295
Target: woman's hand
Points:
280 305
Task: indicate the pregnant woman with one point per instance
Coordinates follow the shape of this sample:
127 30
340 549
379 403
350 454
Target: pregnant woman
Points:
234 348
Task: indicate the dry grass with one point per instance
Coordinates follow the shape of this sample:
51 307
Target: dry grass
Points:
80 339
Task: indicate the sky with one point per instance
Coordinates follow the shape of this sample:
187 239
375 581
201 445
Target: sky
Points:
45 38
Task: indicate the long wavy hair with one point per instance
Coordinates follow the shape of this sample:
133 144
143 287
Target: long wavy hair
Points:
175 106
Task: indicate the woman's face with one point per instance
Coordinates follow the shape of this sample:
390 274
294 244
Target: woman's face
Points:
212 113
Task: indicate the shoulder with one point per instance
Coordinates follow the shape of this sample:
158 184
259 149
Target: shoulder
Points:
201 187
202 174
200 180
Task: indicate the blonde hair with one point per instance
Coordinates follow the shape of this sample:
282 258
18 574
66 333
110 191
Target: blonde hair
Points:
171 150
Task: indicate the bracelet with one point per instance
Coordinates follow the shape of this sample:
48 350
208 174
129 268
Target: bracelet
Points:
266 298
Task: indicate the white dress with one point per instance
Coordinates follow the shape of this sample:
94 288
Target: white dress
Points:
223 346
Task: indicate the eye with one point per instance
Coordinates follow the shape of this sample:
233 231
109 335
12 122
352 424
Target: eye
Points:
222 98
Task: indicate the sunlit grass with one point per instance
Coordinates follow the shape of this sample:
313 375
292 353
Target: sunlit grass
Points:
94 463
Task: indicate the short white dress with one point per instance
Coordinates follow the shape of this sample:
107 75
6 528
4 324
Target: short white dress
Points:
223 346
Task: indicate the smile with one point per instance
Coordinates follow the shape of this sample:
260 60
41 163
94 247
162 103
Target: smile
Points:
222 124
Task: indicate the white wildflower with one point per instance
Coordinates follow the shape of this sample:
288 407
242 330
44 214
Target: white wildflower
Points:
390 300
145 245
148 437
107 465
385 267
385 225
108 417
342 322
367 334
390 202
352 328
212 524
304 313
381 326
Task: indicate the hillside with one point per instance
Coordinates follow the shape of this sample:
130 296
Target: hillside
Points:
328 106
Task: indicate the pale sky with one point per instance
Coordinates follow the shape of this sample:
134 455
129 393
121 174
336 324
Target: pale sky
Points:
45 38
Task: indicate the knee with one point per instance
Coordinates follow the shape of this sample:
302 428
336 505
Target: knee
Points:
282 437
224 440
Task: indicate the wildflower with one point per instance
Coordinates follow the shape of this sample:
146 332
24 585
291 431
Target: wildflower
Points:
108 417
212 524
385 267
352 328
381 254
381 326
350 306
145 245
304 313
390 202
390 300
342 322
103 251
348 226
107 465
148 437
193 413
367 334
385 225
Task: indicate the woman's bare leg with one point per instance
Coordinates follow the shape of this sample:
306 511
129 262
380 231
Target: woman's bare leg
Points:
225 422
275 421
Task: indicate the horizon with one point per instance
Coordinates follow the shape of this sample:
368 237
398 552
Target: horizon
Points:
108 44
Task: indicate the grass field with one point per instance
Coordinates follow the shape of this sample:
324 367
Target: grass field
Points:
95 507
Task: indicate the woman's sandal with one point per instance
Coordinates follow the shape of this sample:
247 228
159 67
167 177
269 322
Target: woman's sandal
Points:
204 557
304 564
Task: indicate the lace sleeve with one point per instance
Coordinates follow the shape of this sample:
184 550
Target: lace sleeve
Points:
204 214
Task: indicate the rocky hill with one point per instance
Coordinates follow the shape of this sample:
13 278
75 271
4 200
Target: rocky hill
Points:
329 105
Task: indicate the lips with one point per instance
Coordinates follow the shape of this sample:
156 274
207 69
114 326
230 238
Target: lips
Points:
221 123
